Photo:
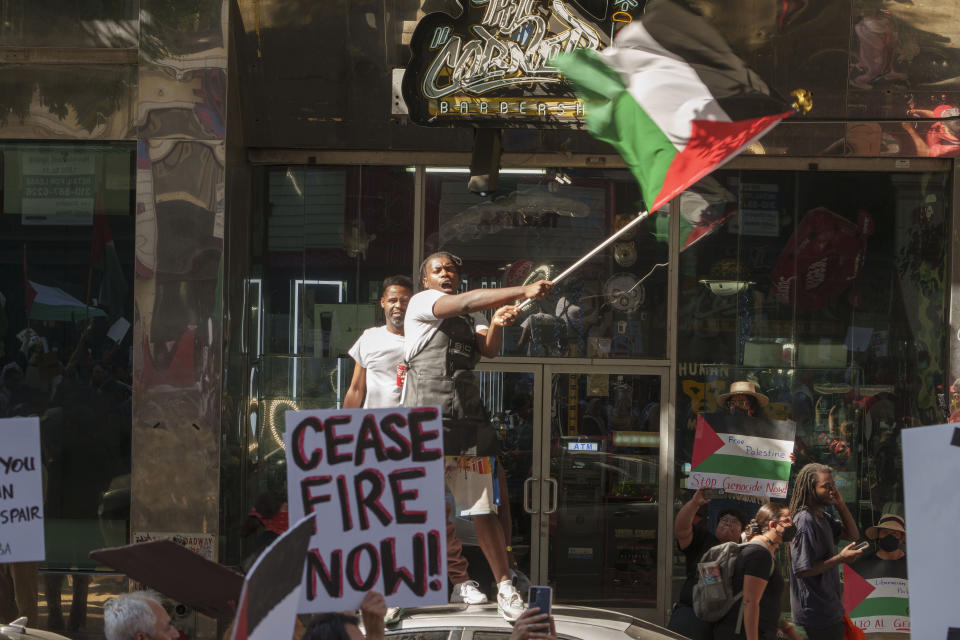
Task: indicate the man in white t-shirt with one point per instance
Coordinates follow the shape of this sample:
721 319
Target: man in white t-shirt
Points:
444 339
378 352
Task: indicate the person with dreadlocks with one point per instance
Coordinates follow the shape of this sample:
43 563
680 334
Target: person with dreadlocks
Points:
816 595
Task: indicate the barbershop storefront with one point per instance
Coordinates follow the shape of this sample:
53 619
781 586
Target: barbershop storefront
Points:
596 393
201 260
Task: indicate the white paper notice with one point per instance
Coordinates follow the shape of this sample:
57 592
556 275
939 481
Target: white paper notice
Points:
21 491
931 471
118 330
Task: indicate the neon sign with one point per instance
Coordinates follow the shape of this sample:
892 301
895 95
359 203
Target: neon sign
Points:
491 65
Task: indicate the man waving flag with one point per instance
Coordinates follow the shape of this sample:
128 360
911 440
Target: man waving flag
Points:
672 98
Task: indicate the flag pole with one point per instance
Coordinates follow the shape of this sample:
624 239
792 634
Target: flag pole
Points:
597 249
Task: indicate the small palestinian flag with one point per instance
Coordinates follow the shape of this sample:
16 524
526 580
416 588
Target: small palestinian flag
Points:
271 590
704 207
672 98
740 454
876 594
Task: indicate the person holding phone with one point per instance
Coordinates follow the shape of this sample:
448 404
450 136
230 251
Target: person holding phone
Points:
816 594
533 625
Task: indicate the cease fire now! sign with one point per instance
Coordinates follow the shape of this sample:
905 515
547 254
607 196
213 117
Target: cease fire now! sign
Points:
374 480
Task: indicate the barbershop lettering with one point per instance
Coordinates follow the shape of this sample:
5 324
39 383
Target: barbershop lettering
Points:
491 65
512 47
462 106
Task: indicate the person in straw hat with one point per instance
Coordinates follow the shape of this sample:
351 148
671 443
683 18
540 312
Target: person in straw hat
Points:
744 399
886 567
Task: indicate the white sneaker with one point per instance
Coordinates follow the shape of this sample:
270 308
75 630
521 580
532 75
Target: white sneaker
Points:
468 593
509 603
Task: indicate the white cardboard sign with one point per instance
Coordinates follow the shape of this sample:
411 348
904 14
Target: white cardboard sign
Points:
374 478
21 491
931 471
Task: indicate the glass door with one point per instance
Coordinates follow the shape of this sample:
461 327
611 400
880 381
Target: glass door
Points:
512 396
601 488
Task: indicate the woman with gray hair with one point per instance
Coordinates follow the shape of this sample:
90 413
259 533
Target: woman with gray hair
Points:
137 616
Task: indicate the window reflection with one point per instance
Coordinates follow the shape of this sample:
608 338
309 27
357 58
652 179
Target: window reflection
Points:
827 290
323 241
538 223
66 307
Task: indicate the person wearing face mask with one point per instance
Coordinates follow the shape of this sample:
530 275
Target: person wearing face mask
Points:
743 399
756 574
885 568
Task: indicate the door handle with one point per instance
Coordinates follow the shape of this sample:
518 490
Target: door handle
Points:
553 495
527 504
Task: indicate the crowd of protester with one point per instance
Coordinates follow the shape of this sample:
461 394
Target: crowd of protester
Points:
810 528
77 383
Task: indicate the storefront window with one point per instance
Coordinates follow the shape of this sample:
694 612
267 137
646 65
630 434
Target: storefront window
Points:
66 306
323 242
829 291
537 223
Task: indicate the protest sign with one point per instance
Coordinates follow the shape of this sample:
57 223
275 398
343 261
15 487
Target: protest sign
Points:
271 591
931 469
875 595
742 454
374 478
21 491
212 589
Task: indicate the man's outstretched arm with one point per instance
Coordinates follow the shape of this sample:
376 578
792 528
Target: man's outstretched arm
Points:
482 299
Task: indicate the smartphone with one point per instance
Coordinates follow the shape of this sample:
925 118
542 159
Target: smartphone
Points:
540 598
862 545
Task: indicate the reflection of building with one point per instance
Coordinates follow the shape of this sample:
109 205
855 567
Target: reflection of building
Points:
258 187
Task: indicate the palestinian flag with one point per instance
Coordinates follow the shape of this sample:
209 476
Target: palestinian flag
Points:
104 258
271 590
672 98
875 594
740 454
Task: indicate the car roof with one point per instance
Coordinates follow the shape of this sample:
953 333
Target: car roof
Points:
16 630
572 620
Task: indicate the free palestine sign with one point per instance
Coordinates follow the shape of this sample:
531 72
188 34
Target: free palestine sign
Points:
742 454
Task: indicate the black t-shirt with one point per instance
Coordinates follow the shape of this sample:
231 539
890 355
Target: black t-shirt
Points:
702 540
870 566
755 560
